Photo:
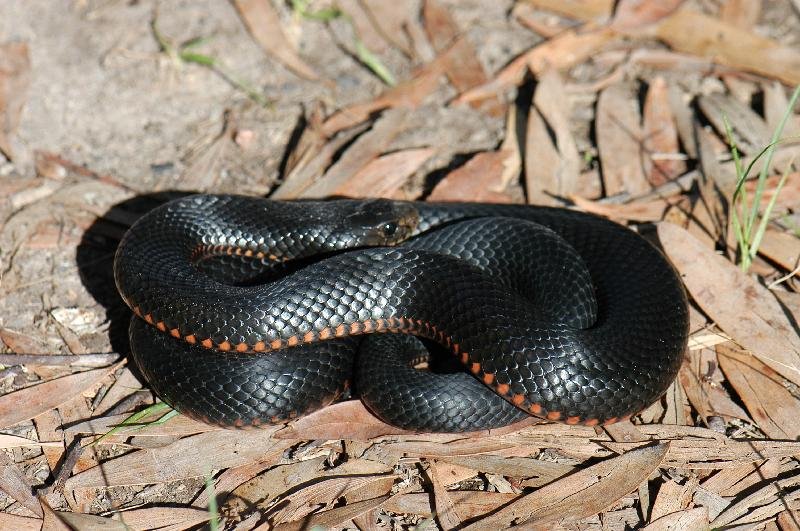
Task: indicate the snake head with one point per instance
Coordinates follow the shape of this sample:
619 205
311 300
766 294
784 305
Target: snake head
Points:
383 222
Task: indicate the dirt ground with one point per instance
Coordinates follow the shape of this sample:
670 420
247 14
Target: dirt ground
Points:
100 122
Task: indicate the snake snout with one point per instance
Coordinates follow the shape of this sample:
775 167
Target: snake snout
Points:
384 222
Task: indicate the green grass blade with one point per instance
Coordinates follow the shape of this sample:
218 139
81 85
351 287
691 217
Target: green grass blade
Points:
762 226
194 42
198 58
131 421
770 150
213 510
373 63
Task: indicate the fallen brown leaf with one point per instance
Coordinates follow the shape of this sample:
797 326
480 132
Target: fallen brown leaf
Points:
192 456
263 489
536 21
741 13
789 520
687 520
477 180
385 176
264 25
619 141
584 10
334 517
177 427
410 94
561 52
761 504
633 15
635 211
581 494
329 491
775 103
19 523
707 397
782 248
549 99
14 483
749 129
36 399
743 309
764 393
731 481
692 32
672 497
15 73
312 161
445 509
395 21
662 161
364 25
23 343
462 67
365 149
468 504
536 471
345 420
90 522
52 520
165 518
542 162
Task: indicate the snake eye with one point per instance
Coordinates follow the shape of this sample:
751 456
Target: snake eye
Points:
389 229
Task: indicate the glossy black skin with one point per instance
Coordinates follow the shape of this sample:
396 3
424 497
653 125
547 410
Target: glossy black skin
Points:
572 317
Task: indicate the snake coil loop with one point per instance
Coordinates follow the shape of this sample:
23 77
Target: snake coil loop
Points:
250 311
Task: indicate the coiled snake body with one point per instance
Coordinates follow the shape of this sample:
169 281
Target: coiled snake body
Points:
250 311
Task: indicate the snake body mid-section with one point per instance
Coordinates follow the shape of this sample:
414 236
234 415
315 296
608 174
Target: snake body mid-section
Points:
250 311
